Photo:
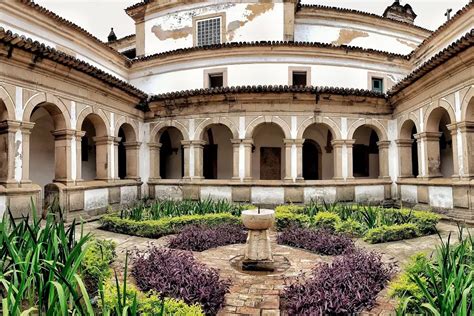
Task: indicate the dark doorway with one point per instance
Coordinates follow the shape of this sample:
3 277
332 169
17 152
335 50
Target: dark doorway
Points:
122 155
270 163
360 155
414 154
210 161
311 160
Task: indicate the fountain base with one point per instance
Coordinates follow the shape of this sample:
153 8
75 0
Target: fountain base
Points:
258 265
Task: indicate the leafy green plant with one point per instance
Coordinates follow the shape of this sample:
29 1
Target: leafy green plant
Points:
288 219
350 227
326 220
391 233
95 266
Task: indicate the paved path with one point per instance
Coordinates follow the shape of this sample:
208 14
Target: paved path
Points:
259 294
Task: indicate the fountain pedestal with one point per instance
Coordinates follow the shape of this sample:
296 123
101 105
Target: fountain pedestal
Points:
258 252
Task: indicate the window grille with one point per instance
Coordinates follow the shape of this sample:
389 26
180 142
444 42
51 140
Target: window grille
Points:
208 31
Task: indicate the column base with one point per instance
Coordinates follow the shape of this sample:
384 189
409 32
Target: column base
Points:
288 179
133 178
64 181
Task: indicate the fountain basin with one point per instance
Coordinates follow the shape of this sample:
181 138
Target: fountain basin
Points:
258 221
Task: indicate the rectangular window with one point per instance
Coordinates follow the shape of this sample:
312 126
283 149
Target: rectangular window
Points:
216 80
377 84
300 78
208 31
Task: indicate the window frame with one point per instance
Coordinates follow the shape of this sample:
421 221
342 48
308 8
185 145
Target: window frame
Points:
201 18
214 71
386 83
292 70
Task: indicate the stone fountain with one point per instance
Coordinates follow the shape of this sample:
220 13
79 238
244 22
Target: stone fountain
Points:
258 252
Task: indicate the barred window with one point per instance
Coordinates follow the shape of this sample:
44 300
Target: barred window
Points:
208 31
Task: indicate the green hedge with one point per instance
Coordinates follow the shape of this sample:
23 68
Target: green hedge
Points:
391 233
163 226
326 220
285 219
351 227
149 304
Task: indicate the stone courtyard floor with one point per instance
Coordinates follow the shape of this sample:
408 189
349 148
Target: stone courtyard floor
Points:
253 294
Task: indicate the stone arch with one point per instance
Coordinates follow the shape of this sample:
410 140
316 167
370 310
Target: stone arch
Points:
56 108
268 119
161 126
378 127
406 126
99 119
433 115
467 105
8 102
329 123
132 127
199 131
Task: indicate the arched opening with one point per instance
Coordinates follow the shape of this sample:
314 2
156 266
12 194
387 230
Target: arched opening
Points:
439 144
94 153
318 156
217 152
408 150
4 163
468 139
171 154
268 159
47 160
365 153
127 152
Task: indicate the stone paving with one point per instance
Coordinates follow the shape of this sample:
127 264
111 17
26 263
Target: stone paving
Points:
257 293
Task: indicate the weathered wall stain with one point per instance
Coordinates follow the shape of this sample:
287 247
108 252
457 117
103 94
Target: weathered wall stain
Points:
346 36
412 45
255 10
171 34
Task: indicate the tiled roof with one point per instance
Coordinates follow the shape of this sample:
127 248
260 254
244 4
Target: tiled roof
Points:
266 89
70 24
136 5
464 43
121 39
269 44
345 10
46 52
455 17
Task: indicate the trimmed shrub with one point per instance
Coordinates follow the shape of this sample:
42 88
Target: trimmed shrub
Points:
200 238
425 221
290 208
326 220
177 274
346 286
350 227
287 219
163 226
320 241
149 304
391 233
95 266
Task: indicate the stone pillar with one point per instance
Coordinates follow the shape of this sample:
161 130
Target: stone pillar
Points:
247 143
187 159
198 147
62 155
116 142
8 130
78 139
132 152
26 128
350 167
235 158
337 145
467 136
299 159
154 161
103 148
432 161
453 130
384 159
288 161
405 169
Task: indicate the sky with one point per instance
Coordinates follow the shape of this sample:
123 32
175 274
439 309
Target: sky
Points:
99 16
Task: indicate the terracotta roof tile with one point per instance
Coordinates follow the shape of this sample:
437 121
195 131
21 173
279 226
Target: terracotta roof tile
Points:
464 43
266 89
345 10
43 51
445 25
268 44
136 5
72 25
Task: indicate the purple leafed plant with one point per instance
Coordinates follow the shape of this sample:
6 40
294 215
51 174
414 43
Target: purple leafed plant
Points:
177 274
200 238
346 286
320 241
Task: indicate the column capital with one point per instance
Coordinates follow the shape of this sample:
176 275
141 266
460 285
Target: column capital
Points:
154 145
466 126
404 142
289 141
64 133
428 135
187 143
80 134
9 126
383 144
104 140
132 145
